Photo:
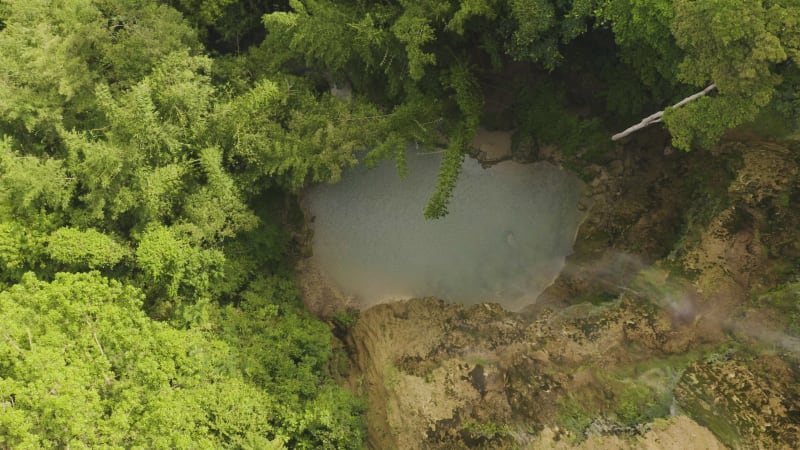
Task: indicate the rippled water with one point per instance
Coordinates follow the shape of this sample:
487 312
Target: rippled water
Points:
505 239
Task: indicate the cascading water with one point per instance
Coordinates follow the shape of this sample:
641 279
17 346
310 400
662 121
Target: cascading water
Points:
505 238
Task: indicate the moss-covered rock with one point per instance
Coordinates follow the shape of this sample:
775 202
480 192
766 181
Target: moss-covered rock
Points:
748 402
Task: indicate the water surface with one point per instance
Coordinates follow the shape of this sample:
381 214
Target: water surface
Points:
504 240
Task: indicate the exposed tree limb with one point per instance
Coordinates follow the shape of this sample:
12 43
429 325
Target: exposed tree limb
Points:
94 335
97 341
13 343
656 118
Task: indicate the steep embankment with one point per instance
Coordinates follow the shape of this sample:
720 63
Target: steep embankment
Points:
653 317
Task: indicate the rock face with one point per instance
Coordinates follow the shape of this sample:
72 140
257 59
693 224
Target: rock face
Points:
676 433
441 375
490 147
648 339
748 402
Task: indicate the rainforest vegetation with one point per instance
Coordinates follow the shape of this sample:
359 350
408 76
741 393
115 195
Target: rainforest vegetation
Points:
150 151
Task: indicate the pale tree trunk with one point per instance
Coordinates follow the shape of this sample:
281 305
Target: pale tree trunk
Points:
656 118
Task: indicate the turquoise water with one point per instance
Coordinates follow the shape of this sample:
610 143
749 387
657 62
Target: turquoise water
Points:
504 240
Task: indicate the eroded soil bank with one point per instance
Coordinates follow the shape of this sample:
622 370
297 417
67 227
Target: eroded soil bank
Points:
658 334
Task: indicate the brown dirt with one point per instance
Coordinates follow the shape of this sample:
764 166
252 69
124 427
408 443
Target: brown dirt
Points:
676 433
492 146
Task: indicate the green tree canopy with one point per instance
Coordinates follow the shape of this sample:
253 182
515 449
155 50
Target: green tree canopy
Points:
121 154
145 266
82 366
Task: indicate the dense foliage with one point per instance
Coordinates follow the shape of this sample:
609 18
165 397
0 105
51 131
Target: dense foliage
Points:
147 299
84 367
435 57
146 296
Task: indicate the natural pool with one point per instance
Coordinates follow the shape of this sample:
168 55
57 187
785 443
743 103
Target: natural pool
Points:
504 240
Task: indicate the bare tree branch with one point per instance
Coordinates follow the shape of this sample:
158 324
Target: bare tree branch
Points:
94 335
13 344
656 118
100 347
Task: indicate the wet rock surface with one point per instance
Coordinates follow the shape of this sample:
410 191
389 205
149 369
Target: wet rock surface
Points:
441 375
650 337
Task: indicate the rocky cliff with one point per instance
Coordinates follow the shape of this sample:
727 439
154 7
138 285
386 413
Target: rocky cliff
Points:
662 332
